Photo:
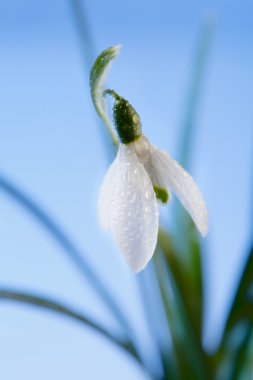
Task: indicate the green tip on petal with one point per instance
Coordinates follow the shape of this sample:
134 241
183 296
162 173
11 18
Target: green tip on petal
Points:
161 194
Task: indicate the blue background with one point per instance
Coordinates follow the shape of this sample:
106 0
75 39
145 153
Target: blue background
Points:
51 145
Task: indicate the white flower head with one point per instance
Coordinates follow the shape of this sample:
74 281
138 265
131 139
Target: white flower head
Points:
139 177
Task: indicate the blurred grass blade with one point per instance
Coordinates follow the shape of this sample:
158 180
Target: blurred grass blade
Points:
189 284
191 360
189 125
155 318
183 252
240 314
68 247
98 76
88 53
235 360
242 304
242 363
55 306
195 91
84 33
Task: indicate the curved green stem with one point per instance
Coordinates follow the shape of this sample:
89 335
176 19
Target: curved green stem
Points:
58 307
112 93
67 245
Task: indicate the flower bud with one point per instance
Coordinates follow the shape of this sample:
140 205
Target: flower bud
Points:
126 119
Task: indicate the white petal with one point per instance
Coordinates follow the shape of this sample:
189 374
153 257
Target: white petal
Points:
163 168
105 195
133 208
144 151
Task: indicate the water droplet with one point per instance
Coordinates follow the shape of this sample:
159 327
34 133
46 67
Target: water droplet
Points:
147 194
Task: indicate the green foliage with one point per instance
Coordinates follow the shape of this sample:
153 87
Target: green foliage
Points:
235 349
60 308
98 77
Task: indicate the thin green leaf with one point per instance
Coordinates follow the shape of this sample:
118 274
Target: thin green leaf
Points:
88 53
55 306
240 315
242 304
242 363
189 124
183 252
98 78
235 361
236 355
185 297
189 283
190 358
84 33
189 127
156 319
75 255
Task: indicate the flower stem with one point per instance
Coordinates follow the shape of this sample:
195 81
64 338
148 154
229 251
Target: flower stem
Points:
112 93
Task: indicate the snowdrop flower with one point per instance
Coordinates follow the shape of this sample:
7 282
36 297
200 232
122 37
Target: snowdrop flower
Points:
141 176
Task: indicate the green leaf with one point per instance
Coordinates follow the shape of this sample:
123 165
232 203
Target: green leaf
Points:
191 360
76 256
242 363
183 251
81 22
242 304
98 78
88 53
189 123
55 306
189 283
236 343
156 319
183 228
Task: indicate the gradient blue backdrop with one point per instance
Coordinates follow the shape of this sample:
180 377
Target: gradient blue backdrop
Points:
50 144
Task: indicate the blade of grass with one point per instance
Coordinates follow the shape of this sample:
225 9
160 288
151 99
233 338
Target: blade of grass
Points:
68 247
242 304
183 252
55 306
189 124
86 40
192 360
151 298
183 347
98 77
189 127
235 362
241 310
88 52
189 287
242 363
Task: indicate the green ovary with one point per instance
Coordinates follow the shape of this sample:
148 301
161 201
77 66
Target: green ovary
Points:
161 194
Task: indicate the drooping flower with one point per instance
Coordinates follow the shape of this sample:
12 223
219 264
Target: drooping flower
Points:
140 177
